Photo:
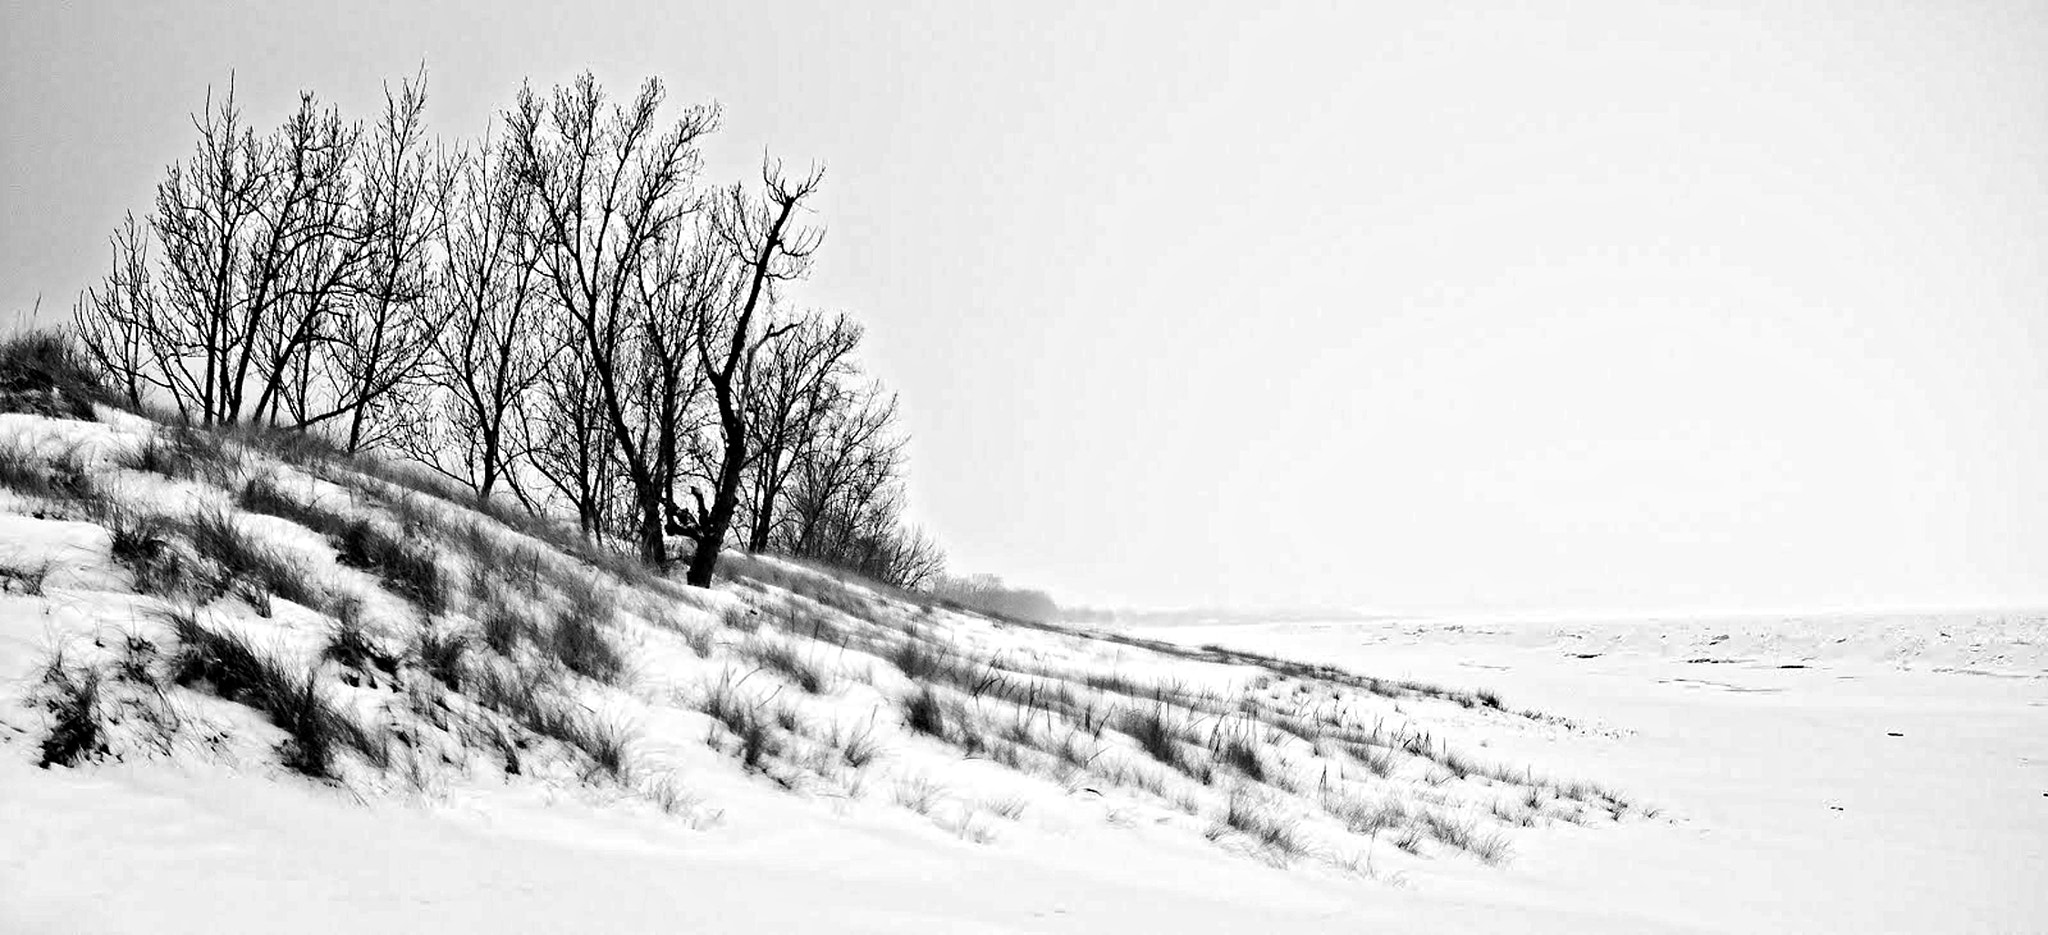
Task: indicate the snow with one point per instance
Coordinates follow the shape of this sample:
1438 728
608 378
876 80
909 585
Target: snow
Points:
1790 805
1779 800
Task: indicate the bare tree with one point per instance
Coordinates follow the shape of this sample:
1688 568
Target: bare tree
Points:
207 213
912 558
864 531
761 235
846 493
378 345
787 398
308 248
854 454
118 324
611 188
257 243
683 291
492 350
564 435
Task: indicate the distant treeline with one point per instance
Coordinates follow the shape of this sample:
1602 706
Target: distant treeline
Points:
1214 615
561 312
987 593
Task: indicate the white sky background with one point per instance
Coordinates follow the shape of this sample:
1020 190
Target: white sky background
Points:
1614 307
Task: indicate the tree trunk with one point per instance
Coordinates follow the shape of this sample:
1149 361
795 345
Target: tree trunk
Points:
647 501
711 529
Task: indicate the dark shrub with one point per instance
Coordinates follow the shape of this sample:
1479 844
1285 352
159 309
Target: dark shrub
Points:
505 627
61 477
1240 753
578 643
925 712
74 705
144 544
441 655
406 568
1157 735
43 374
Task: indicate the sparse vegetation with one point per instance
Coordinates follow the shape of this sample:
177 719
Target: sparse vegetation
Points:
1008 808
743 720
61 478
528 699
504 628
73 700
668 794
41 372
21 468
925 712
146 545
351 646
919 794
1379 760
782 657
858 747
1248 814
702 639
577 642
1240 752
1364 818
1490 846
156 456
405 566
224 664
183 451
241 557
440 653
263 495
23 578
1157 734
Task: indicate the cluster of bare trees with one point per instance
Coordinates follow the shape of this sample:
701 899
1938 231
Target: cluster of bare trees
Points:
561 313
292 283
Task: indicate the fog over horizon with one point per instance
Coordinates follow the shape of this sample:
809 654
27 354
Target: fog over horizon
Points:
1610 310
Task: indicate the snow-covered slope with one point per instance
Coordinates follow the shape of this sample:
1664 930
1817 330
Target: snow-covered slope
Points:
247 685
1875 773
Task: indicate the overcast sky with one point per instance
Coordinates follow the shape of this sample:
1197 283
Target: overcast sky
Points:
1618 306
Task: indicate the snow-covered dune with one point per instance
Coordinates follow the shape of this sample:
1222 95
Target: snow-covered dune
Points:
247 684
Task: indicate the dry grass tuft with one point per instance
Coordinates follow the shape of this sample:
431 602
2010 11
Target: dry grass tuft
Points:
243 558
578 642
782 657
1259 820
73 700
226 665
532 702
